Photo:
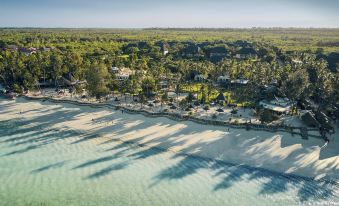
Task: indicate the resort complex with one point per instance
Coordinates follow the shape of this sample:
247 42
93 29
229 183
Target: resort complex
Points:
235 82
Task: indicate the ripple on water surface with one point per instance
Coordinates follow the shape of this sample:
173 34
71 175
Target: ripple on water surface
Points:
43 166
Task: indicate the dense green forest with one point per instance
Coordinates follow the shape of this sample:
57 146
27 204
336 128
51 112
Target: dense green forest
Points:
302 63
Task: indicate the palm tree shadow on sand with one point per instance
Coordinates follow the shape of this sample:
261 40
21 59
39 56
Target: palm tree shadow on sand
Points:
187 165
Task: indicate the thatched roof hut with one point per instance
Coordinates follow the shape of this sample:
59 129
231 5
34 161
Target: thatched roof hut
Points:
221 97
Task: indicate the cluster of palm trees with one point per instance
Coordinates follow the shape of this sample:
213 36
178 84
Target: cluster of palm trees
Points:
311 79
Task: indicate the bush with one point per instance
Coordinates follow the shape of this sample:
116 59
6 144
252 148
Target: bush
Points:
267 116
17 88
182 103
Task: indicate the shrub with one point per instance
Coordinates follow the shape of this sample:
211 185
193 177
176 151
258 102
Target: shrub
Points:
267 116
17 88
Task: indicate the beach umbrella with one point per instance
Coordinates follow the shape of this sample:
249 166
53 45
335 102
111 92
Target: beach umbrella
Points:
220 110
234 111
173 107
150 105
206 108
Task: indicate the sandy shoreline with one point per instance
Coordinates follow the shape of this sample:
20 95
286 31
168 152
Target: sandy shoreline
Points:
280 152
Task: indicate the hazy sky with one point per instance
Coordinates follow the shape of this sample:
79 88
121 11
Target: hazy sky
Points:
169 13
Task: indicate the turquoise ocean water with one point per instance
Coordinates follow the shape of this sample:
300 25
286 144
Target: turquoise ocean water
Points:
44 166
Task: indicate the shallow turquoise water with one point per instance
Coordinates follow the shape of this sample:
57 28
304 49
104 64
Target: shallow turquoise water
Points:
43 166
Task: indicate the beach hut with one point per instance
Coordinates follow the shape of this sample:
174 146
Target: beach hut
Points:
221 99
278 105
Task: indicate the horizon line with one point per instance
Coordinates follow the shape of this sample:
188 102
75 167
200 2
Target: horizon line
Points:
142 28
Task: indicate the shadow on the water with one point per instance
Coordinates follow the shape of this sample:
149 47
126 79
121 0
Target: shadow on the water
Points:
48 167
86 137
33 137
185 167
97 161
30 136
20 151
108 170
314 190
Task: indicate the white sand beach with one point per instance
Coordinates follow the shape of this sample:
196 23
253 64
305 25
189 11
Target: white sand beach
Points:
279 152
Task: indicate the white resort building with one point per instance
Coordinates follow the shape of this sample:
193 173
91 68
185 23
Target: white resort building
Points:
278 105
